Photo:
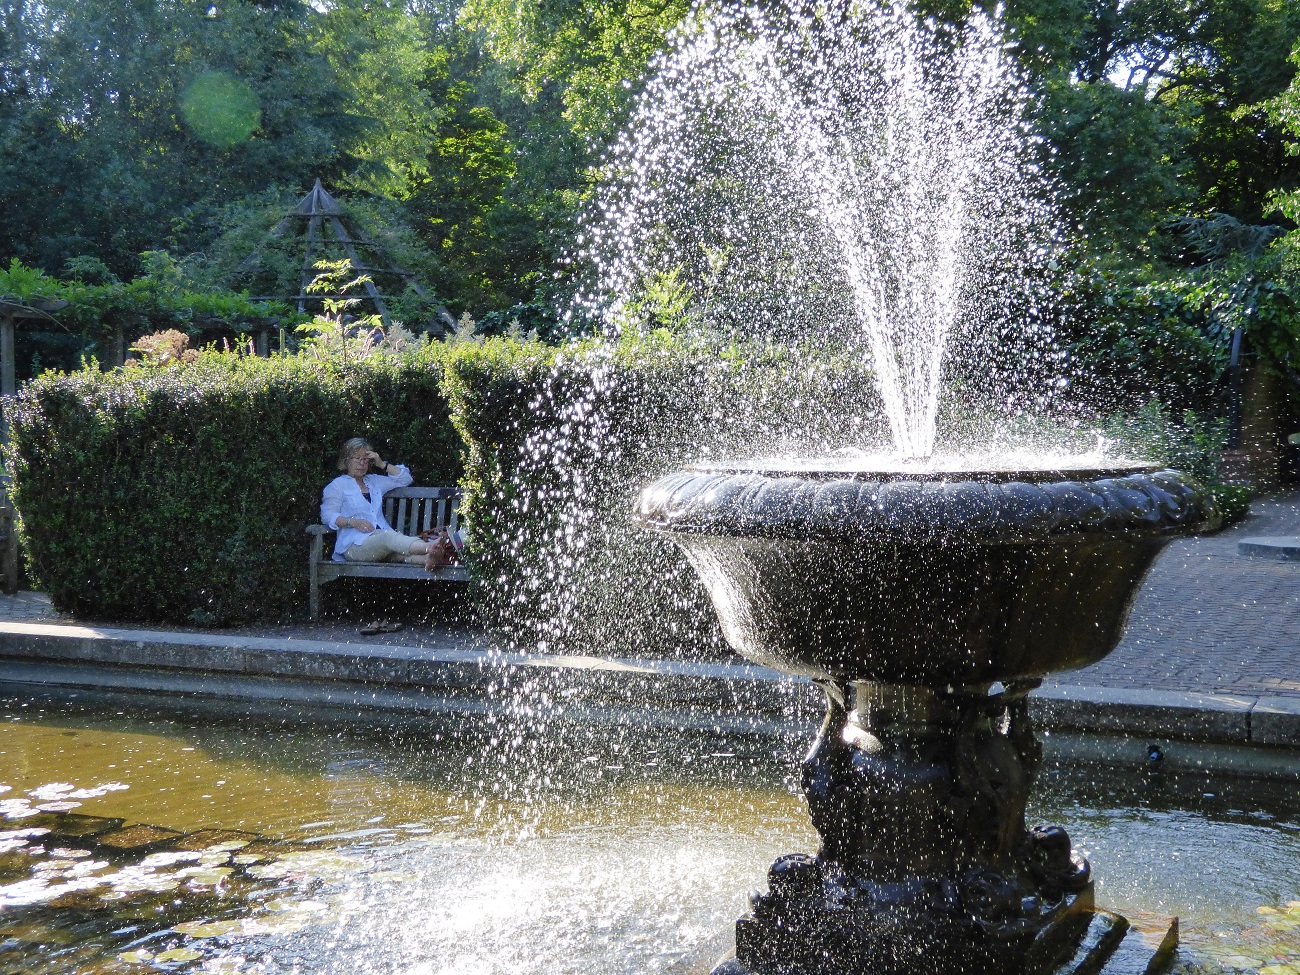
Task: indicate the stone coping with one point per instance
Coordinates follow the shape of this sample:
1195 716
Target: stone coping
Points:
1282 548
719 697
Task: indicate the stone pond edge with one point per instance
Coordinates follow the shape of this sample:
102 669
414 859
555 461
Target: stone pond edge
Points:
722 697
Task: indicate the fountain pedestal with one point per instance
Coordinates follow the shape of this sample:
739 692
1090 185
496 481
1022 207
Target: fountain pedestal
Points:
919 798
927 610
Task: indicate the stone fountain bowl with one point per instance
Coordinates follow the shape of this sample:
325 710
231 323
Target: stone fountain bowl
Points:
930 578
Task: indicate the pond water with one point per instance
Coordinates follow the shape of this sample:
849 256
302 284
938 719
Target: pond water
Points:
140 841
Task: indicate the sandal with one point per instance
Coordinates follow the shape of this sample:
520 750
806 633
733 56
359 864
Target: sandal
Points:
386 627
371 629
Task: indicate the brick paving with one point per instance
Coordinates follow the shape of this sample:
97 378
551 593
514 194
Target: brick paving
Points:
1207 620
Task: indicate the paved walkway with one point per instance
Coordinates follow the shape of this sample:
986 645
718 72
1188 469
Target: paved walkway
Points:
1208 620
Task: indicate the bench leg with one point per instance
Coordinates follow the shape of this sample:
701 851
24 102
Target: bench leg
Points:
10 566
313 598
313 579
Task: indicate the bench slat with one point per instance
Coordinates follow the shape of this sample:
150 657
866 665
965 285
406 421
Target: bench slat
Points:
391 570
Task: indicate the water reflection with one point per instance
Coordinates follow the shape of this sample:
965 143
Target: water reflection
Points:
148 842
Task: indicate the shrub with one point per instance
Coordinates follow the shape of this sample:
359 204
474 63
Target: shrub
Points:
166 348
561 439
1232 500
180 494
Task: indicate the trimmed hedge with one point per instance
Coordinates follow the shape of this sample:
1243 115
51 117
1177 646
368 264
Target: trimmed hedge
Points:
560 441
180 494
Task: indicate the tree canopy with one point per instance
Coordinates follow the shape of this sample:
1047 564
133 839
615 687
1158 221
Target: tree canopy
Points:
136 125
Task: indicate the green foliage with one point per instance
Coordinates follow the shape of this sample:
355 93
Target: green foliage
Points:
381 57
1150 107
594 51
1133 337
560 439
1232 500
25 283
1190 444
160 299
1143 332
181 494
100 306
537 318
245 253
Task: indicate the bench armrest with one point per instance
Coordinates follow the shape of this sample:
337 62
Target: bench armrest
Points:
317 530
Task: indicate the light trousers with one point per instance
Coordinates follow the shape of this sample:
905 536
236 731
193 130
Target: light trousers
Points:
384 545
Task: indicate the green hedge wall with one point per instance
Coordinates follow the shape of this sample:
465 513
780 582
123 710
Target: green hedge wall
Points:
180 494
559 442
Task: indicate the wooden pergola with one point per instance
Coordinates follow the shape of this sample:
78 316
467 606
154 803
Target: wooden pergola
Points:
13 311
324 224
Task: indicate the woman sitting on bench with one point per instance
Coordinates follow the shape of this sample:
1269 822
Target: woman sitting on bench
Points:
353 505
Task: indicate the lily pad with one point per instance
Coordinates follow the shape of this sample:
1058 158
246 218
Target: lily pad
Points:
139 956
276 924
178 954
210 929
206 876
170 857
305 907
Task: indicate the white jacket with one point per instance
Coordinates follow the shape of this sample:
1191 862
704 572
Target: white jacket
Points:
343 499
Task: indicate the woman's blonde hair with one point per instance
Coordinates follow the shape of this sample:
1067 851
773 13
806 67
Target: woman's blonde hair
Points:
350 447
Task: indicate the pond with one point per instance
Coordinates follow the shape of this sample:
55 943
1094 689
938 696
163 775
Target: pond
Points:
143 840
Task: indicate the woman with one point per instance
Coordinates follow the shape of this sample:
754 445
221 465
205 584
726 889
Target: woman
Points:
353 505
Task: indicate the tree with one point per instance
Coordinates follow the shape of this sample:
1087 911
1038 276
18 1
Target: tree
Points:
594 52
1143 103
121 115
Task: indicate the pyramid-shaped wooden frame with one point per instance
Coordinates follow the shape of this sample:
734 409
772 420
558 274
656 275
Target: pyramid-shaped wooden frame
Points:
323 214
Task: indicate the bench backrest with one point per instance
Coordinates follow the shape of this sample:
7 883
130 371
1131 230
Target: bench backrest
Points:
411 510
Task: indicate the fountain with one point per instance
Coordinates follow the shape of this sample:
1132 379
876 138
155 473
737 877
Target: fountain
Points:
927 606
927 597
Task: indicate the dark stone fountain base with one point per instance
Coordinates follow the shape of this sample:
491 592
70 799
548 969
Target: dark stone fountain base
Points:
926 866
1107 946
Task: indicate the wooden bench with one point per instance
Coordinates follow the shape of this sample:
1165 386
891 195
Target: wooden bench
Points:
410 510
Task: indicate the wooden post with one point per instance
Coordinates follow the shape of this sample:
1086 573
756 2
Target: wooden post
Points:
8 375
263 344
9 557
118 351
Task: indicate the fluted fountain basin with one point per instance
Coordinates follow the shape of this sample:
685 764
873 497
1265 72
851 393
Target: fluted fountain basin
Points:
922 577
